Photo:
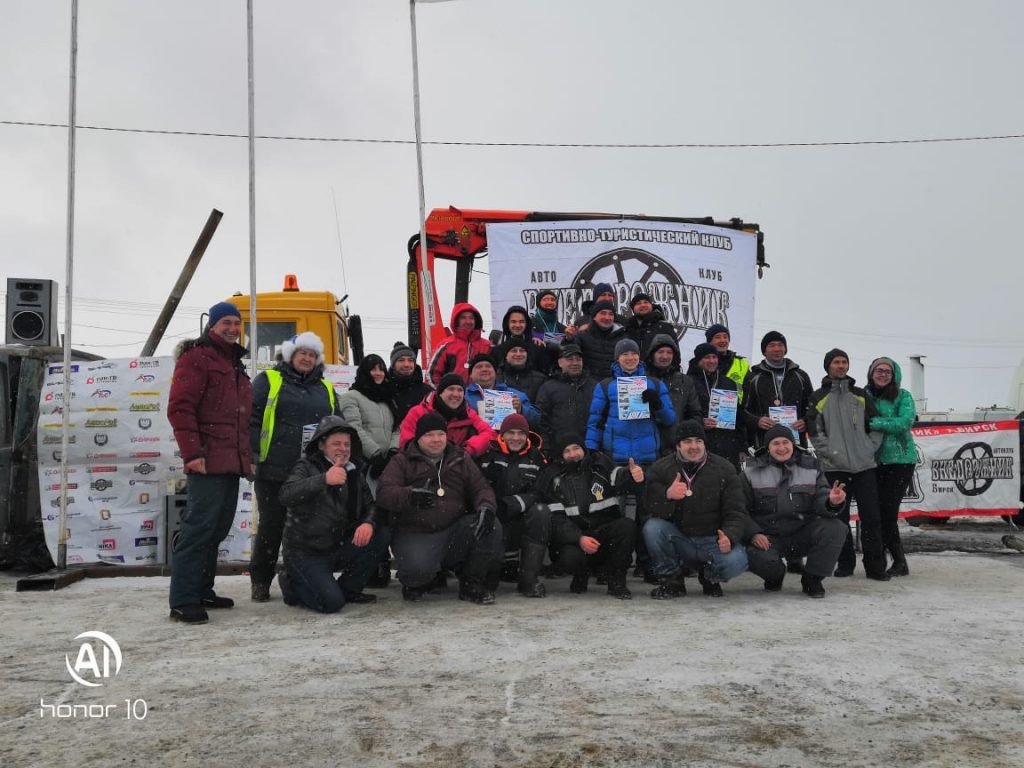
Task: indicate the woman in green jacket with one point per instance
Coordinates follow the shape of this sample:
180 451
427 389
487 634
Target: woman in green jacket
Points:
897 455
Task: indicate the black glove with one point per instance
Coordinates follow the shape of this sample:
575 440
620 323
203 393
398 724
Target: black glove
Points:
377 464
484 522
421 498
652 399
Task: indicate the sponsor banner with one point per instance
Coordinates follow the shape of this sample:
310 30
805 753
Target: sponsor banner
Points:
699 275
965 469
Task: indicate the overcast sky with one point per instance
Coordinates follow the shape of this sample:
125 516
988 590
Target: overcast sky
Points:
895 249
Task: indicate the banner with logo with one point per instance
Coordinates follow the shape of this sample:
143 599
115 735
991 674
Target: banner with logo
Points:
965 469
699 275
123 462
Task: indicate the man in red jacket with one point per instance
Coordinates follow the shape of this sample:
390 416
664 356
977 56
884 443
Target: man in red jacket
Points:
209 408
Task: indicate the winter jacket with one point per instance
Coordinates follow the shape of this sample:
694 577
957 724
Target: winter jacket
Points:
547 324
727 443
781 498
760 393
736 367
894 420
642 330
470 432
374 421
465 488
454 353
586 491
321 516
716 504
525 379
475 395
210 405
303 399
637 439
598 348
838 423
564 405
513 476
409 391
680 388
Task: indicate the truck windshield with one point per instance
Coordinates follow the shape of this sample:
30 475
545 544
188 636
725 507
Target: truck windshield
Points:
270 337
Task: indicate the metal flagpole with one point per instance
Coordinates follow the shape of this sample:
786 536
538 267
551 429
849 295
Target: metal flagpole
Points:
424 275
251 330
62 540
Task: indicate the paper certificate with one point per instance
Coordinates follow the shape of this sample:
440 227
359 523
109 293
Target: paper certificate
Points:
722 408
784 414
630 392
495 406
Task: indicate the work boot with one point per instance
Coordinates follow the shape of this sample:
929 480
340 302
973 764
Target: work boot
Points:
899 561
669 587
710 588
216 601
842 571
617 586
811 585
579 583
381 576
260 593
190 614
359 597
475 594
774 585
413 594
532 589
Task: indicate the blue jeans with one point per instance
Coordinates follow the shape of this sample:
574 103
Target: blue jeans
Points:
212 500
308 579
670 549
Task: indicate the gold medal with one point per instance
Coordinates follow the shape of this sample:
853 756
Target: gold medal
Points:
778 402
689 492
440 491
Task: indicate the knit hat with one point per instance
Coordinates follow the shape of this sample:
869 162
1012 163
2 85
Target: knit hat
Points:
703 350
601 305
450 380
305 340
400 350
640 297
770 337
221 310
430 422
603 288
626 345
546 292
716 329
568 350
779 430
482 357
832 354
569 438
514 421
691 428
516 342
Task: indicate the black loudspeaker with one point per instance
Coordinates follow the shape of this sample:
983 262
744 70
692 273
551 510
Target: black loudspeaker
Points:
32 312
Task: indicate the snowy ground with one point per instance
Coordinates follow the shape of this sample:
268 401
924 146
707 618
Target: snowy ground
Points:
921 671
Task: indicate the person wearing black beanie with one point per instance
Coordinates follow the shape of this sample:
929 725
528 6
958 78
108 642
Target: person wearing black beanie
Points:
731 365
406 379
648 321
776 389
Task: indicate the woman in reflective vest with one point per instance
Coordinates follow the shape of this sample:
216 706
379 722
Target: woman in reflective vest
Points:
288 402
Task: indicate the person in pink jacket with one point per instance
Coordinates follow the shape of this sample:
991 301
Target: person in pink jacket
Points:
465 427
467 341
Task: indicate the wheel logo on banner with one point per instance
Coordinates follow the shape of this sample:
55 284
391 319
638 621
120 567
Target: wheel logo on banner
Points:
974 453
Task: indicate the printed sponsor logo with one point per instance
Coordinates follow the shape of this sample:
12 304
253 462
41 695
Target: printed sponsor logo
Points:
57 410
101 485
143 363
57 455
105 529
135 481
101 409
101 366
56 440
144 394
111 558
144 498
108 379
147 541
246 495
145 454
145 439
147 525
101 455
102 393
101 469
56 471
144 468
100 439
151 556
57 487
55 503
146 378
145 423
100 423
105 514
139 407
75 559
102 499
108 544
60 369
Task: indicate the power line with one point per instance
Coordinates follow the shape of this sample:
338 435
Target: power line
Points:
554 145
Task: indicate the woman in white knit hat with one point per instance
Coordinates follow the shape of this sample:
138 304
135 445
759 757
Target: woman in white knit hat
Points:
288 401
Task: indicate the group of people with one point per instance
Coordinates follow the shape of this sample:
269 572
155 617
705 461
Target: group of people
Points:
414 475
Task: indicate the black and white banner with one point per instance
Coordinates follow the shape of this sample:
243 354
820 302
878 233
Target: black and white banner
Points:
700 275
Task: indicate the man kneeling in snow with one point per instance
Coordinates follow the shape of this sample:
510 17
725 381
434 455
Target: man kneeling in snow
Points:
332 523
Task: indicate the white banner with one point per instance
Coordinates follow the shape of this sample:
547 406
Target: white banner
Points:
699 275
966 469
123 462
